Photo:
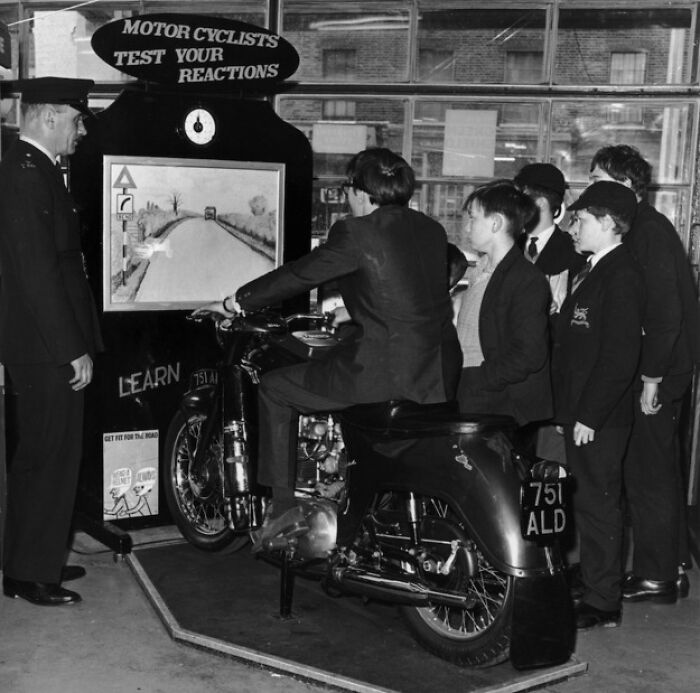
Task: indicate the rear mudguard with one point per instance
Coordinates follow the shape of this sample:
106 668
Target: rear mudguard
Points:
466 464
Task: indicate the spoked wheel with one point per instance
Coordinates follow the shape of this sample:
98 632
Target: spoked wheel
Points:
195 497
477 635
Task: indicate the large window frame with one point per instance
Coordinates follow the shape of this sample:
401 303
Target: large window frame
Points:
625 99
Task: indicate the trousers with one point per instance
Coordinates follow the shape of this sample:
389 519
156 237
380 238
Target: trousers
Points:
282 396
598 514
654 486
43 471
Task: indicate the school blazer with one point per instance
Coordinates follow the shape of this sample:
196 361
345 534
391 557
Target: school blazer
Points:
47 310
390 267
671 343
559 255
513 333
597 344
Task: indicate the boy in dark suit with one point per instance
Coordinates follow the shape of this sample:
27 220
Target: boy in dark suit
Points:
502 316
549 248
594 360
390 263
670 350
552 251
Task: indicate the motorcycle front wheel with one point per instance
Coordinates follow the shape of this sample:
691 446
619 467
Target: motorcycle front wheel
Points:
479 634
195 497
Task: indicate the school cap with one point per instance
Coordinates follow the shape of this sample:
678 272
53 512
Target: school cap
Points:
57 90
545 176
617 198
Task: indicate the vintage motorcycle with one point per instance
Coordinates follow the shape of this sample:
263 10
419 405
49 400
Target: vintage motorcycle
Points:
409 504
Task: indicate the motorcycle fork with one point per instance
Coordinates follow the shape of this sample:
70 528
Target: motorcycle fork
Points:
414 518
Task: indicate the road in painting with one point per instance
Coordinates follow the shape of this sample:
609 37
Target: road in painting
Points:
199 261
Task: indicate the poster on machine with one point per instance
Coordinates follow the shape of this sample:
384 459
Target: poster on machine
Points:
130 467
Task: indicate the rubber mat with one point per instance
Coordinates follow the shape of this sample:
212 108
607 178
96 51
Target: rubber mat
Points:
230 604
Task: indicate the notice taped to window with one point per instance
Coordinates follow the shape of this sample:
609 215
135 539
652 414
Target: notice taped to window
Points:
469 149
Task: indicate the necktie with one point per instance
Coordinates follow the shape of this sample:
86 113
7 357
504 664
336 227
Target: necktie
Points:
581 276
532 248
59 173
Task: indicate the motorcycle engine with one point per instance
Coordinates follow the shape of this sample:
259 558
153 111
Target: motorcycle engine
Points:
321 457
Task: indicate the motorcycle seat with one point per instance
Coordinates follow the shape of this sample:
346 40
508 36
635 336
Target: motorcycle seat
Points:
403 418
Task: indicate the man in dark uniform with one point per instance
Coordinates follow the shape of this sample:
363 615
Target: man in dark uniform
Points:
594 359
670 350
49 334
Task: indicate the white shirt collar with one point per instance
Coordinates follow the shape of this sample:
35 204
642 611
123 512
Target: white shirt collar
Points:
542 237
41 148
597 257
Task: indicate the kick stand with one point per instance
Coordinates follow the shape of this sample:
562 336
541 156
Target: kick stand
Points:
286 584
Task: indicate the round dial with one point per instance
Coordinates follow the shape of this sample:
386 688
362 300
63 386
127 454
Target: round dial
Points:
200 126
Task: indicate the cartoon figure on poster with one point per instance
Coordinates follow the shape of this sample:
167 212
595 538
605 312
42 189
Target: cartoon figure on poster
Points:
130 489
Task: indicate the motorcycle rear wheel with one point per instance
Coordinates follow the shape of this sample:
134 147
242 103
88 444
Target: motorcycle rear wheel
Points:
195 498
477 636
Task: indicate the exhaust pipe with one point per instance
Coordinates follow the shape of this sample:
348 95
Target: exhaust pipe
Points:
395 590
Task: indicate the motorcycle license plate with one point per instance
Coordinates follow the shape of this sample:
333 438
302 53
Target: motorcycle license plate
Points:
543 510
203 376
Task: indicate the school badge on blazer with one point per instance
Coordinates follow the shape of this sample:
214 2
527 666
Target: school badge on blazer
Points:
580 316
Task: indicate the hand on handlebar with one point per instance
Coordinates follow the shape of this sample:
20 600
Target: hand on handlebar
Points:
218 307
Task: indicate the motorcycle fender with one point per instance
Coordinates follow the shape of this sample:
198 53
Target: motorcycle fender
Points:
198 400
543 630
473 472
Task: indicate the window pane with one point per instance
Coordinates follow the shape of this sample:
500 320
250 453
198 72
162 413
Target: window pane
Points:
588 37
375 34
662 135
472 140
60 41
458 145
627 68
8 15
479 41
366 122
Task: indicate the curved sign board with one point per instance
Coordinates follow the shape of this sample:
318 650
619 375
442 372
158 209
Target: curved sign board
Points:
195 51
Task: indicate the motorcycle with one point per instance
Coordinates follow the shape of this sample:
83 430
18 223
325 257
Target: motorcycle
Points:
409 504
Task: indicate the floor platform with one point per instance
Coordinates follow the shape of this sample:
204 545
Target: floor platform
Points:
230 604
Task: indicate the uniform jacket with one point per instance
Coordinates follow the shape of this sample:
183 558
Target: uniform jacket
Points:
597 344
391 272
559 255
671 343
47 311
513 332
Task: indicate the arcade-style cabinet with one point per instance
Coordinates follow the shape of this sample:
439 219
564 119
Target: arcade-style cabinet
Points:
184 164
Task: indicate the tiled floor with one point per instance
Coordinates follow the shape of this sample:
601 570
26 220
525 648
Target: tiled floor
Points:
113 642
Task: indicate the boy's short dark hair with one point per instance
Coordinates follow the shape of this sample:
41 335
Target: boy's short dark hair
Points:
503 197
622 224
554 199
385 176
622 161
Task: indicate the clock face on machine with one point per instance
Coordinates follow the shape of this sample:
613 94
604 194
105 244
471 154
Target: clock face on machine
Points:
199 126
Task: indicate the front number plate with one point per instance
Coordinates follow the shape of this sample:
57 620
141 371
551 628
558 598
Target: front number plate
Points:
543 511
203 376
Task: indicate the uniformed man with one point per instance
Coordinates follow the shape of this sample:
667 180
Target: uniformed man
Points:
48 337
